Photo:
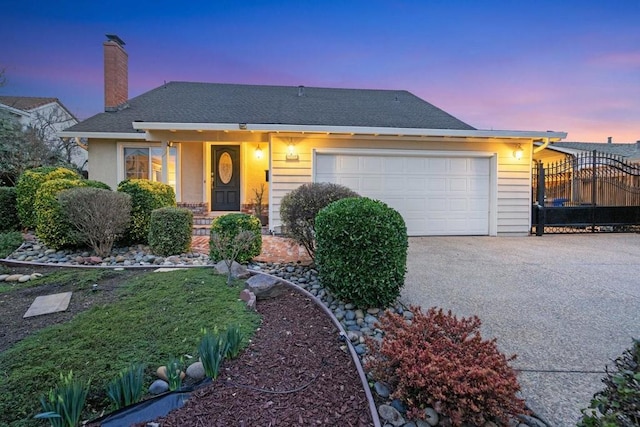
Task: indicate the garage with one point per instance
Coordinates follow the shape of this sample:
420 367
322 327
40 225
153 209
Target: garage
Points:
436 194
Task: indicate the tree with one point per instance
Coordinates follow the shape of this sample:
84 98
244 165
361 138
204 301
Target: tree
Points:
21 149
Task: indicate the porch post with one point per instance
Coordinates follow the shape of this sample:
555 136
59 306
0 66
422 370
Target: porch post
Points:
165 163
540 208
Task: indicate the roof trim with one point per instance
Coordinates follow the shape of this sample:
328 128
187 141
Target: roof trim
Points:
257 127
14 110
102 135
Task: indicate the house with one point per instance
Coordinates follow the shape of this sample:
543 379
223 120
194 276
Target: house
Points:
557 151
217 143
47 116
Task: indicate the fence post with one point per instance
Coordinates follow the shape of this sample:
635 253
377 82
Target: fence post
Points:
594 191
541 189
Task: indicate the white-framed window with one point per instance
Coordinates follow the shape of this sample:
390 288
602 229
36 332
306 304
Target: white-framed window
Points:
155 162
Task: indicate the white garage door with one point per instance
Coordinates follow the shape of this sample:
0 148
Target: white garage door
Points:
435 195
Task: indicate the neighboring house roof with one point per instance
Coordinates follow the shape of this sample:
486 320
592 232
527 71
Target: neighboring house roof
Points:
185 102
30 103
630 151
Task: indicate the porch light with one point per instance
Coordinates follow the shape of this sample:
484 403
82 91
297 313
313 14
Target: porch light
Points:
518 152
291 153
258 152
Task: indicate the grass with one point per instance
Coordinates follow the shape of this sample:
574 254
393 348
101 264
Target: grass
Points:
157 316
79 279
9 242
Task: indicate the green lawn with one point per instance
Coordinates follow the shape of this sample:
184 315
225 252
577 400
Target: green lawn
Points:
156 317
9 242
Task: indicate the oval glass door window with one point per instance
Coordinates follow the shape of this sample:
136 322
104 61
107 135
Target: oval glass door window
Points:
225 168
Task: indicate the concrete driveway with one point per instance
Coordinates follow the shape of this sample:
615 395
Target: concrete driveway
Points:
567 305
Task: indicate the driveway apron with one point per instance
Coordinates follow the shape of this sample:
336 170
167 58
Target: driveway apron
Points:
567 305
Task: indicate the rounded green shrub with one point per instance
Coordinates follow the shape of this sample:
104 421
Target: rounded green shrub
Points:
170 231
8 210
229 226
299 208
361 253
28 185
52 224
146 196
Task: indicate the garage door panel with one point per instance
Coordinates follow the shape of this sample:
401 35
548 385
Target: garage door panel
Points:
435 195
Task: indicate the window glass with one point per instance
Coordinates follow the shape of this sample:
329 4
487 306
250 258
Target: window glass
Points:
156 164
136 163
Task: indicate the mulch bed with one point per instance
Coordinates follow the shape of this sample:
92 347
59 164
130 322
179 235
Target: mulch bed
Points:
294 373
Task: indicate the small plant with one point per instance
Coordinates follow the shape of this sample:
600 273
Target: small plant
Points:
258 207
127 387
230 248
8 210
63 404
99 216
299 208
145 197
224 230
170 231
619 403
212 350
362 251
441 361
174 373
233 338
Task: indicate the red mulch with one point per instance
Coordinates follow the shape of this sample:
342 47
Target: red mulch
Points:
294 373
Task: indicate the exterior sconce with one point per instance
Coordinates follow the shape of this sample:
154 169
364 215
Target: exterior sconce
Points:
258 152
291 153
518 152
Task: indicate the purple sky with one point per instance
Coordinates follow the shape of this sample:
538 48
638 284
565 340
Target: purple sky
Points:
564 65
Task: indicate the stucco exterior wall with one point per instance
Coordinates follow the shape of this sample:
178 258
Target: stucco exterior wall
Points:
513 192
191 172
103 161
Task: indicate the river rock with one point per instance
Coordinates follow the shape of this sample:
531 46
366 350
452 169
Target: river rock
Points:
381 389
238 271
196 371
431 416
159 386
24 278
13 278
391 415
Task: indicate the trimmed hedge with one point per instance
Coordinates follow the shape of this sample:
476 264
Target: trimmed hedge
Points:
28 185
361 252
146 196
52 225
232 224
8 210
299 208
170 231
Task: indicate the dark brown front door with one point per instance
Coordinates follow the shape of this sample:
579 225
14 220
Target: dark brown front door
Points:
225 178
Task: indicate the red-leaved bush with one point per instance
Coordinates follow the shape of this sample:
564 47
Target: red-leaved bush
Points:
441 361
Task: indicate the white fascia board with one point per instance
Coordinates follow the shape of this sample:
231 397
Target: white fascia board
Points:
102 135
361 130
15 111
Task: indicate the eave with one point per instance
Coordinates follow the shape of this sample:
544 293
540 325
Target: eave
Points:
352 130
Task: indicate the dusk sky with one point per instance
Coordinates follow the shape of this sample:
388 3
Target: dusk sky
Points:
570 66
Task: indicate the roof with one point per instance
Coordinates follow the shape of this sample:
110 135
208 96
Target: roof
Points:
26 103
186 102
30 103
630 151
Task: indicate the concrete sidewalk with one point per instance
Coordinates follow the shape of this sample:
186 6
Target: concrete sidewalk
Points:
567 305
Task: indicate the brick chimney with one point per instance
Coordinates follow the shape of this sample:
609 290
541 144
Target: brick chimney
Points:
116 74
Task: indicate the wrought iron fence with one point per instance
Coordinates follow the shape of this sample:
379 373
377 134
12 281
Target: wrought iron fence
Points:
591 191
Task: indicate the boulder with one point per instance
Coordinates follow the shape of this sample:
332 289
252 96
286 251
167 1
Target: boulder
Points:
238 271
13 278
265 287
161 372
248 297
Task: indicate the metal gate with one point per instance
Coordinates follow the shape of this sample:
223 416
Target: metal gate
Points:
588 192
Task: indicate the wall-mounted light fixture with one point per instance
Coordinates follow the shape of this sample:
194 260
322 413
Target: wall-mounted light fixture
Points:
258 152
291 152
518 152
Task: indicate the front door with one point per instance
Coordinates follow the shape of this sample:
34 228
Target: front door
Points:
225 178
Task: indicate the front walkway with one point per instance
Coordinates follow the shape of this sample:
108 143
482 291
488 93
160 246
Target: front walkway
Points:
275 249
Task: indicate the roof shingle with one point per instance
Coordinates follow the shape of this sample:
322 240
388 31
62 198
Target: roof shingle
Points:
186 102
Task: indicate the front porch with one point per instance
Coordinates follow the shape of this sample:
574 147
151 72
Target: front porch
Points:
275 249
